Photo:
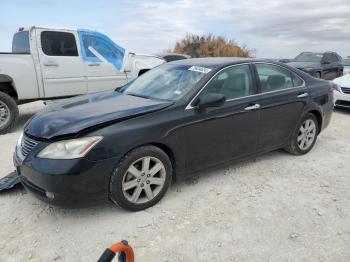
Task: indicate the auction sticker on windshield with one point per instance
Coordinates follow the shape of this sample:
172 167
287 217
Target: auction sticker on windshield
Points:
200 69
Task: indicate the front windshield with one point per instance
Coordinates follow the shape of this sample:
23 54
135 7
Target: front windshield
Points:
166 82
308 57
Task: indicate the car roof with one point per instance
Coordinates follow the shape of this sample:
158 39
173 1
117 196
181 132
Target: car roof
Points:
213 62
314 53
174 54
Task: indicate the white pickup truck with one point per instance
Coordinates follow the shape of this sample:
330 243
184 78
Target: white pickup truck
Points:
48 64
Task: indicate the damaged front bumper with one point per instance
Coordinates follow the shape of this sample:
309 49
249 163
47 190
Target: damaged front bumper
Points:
68 183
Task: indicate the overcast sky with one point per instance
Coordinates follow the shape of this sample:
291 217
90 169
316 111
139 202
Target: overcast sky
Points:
274 28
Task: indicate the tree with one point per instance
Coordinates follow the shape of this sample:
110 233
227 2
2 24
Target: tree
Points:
209 45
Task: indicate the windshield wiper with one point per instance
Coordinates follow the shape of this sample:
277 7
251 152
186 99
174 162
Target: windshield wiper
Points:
138 95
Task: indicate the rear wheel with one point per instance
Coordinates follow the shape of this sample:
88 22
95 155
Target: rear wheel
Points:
304 138
141 179
8 113
340 73
318 75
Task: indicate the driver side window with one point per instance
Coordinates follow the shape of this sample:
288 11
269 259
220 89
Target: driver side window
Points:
233 82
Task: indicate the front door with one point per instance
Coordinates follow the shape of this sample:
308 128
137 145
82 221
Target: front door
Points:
62 68
227 132
282 100
103 61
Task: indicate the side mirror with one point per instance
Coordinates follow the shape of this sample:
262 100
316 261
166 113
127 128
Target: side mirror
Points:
210 100
326 62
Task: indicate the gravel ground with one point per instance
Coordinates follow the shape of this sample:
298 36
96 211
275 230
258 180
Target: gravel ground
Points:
277 207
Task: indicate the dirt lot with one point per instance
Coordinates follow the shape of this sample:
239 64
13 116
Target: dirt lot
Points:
277 207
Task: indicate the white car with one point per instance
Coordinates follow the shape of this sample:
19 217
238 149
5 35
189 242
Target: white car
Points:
346 63
47 64
342 92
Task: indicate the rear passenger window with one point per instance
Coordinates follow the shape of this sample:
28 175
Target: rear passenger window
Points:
274 78
58 44
233 82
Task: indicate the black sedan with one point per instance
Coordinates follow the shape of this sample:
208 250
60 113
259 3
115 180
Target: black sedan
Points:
320 65
128 145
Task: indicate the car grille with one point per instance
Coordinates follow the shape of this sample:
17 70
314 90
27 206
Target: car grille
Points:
346 90
27 145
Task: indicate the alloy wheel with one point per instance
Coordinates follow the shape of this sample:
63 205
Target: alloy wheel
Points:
307 134
143 180
4 114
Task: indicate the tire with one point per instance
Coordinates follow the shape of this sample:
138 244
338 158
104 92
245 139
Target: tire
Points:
138 183
340 73
295 144
318 75
8 113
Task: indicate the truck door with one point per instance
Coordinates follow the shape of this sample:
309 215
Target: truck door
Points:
62 67
103 61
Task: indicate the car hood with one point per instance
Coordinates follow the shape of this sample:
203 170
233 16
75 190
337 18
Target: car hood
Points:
343 81
304 64
74 115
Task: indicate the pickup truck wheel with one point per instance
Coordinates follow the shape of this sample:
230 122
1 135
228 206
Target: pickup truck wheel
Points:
8 113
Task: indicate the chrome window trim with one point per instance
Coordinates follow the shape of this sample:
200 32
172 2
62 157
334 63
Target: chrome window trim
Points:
249 63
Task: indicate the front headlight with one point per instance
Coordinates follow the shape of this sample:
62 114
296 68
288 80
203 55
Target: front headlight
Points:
70 149
308 69
337 87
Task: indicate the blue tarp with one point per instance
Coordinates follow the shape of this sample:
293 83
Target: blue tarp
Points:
94 45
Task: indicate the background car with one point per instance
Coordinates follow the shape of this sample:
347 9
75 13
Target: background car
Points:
346 64
175 120
173 56
326 65
342 92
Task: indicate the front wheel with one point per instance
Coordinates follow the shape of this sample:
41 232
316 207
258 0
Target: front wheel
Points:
141 178
304 138
8 113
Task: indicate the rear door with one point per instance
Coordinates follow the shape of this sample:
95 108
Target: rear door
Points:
282 100
227 132
62 68
103 61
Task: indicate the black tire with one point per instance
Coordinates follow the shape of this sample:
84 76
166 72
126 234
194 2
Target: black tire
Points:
12 108
116 193
318 75
293 146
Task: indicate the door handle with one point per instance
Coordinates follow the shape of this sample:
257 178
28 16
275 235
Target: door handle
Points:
93 64
252 107
50 63
302 95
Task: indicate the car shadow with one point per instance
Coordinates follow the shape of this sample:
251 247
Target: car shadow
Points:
342 111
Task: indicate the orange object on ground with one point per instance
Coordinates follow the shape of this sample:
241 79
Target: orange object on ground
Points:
126 253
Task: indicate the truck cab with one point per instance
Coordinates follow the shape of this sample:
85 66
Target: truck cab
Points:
48 63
